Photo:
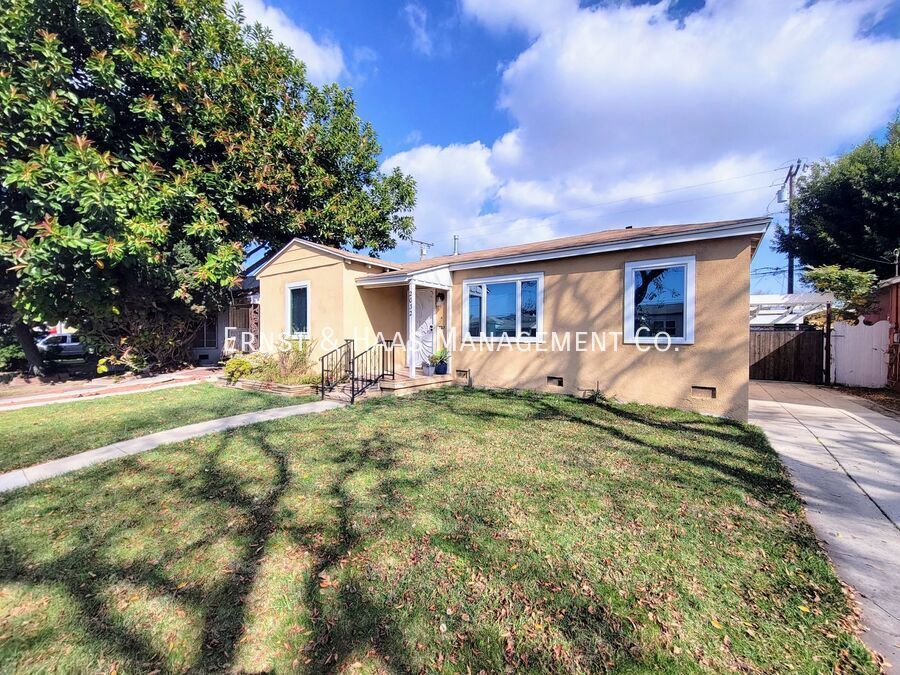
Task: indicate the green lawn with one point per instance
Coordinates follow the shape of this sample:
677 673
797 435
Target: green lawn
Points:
448 531
32 435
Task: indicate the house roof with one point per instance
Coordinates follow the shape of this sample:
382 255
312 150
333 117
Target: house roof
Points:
582 244
339 252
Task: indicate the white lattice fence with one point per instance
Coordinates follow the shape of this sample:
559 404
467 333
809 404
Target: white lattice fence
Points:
859 354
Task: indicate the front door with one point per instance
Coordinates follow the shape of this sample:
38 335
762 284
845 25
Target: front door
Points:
424 325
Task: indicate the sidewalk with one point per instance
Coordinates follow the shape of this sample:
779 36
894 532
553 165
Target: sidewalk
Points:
844 460
13 480
102 387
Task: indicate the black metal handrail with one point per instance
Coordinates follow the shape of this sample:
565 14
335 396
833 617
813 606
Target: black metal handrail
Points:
337 367
370 367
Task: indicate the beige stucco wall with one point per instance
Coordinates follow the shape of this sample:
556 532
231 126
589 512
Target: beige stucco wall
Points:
324 273
587 294
369 312
338 308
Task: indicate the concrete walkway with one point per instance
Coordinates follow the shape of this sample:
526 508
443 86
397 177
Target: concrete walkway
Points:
104 387
32 474
844 459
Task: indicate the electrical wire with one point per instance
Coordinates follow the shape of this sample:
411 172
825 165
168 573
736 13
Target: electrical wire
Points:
883 261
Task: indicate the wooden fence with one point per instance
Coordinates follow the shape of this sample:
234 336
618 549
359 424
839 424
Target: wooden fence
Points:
789 355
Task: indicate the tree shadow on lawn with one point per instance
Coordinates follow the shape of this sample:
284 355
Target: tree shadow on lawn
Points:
86 575
353 620
347 619
226 606
360 623
770 486
546 615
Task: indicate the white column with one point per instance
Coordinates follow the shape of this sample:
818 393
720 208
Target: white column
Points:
411 329
448 337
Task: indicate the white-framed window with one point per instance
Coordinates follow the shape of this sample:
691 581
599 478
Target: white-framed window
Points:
659 298
509 308
296 309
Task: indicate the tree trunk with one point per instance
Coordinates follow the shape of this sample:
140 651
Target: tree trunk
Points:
26 342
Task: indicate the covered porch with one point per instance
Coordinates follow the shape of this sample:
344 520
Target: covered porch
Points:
428 316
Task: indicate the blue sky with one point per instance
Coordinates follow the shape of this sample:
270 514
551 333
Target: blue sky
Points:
528 119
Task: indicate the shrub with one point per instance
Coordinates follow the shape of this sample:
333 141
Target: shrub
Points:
291 363
11 355
237 367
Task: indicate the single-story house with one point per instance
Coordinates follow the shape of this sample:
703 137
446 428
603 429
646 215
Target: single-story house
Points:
652 314
235 329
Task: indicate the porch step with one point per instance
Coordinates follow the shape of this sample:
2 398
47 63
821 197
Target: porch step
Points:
398 387
342 393
410 385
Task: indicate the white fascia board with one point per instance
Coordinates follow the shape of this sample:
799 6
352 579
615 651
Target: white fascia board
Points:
322 249
433 277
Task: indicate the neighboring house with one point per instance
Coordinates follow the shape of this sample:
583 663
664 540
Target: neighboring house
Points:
571 315
234 330
786 311
887 308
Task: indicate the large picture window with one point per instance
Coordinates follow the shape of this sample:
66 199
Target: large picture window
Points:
504 308
659 301
296 309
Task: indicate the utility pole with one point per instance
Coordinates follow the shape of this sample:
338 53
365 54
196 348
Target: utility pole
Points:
423 247
793 170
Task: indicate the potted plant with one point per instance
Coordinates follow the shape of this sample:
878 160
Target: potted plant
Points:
427 368
439 361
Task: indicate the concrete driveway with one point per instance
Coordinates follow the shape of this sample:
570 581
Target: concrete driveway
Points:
844 459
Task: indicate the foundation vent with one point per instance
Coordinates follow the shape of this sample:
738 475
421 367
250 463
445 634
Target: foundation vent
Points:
703 392
553 381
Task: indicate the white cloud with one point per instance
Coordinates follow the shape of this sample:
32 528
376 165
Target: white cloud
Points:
413 137
619 101
533 16
453 182
324 59
417 20
364 62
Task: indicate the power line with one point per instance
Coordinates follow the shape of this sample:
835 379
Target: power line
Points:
883 261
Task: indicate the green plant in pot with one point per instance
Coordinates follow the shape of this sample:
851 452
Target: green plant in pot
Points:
439 361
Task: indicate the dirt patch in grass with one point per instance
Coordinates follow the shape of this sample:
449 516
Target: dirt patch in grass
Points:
454 530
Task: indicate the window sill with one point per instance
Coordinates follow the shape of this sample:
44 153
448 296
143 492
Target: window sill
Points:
497 340
661 341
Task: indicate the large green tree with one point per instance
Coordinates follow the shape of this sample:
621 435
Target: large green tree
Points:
847 211
144 145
